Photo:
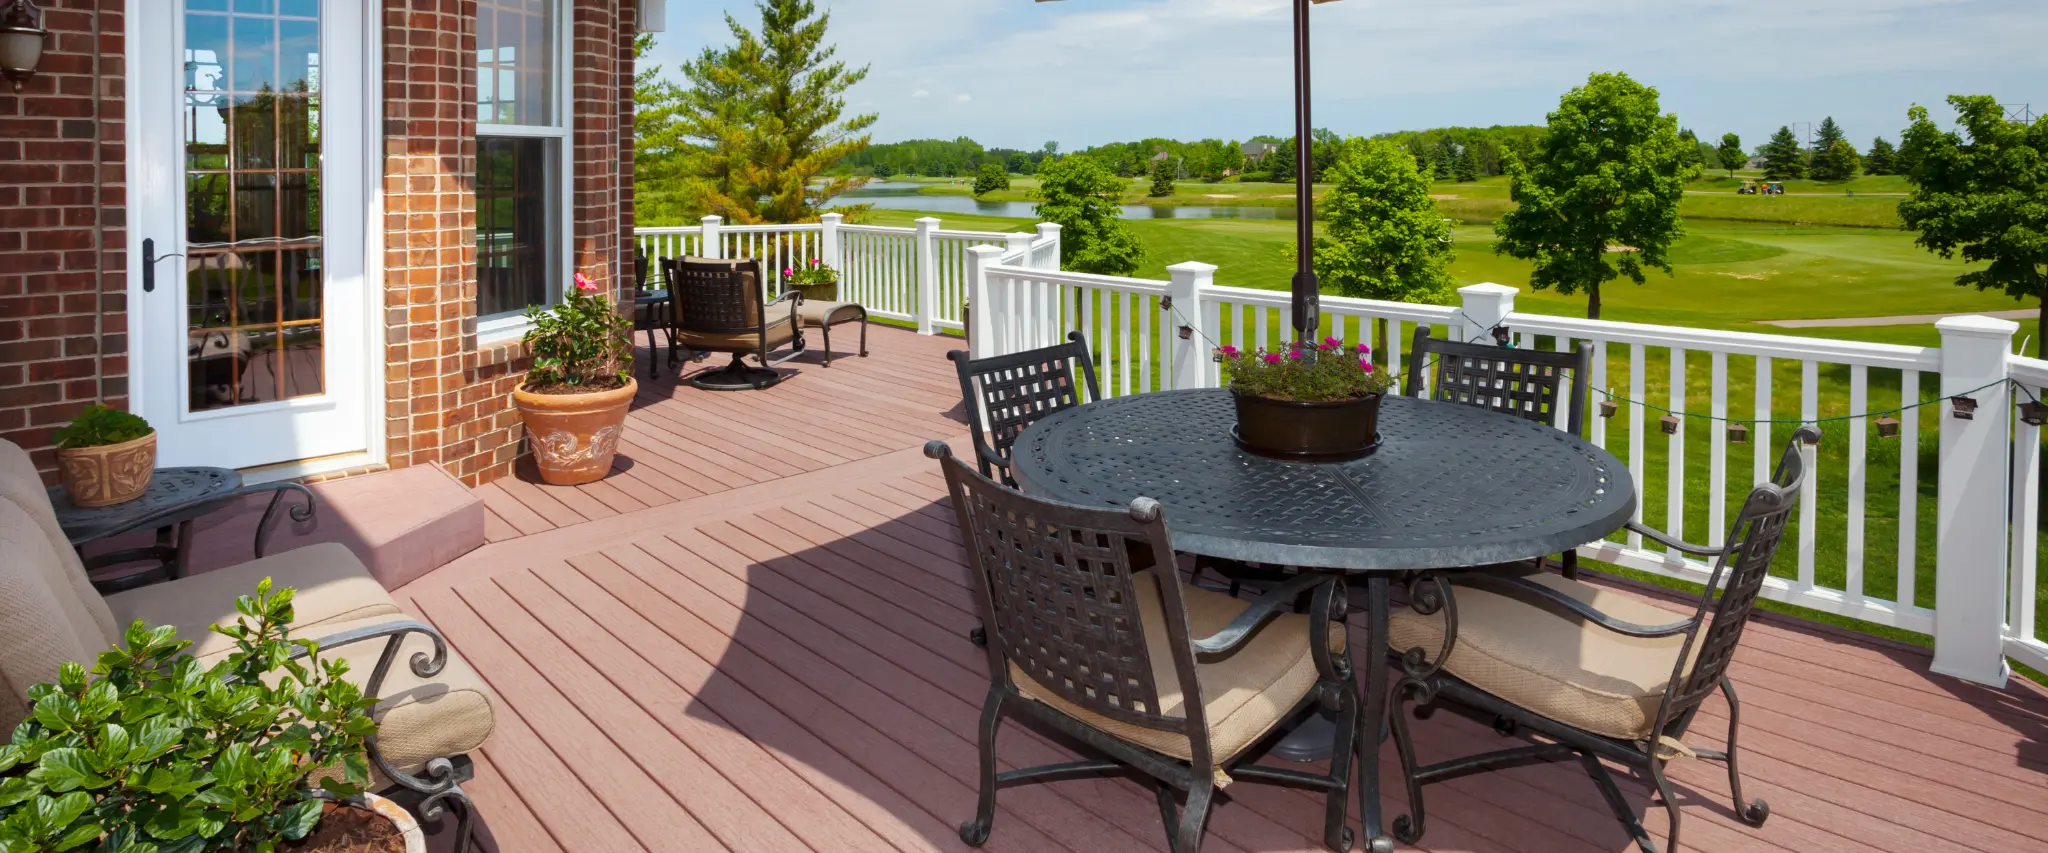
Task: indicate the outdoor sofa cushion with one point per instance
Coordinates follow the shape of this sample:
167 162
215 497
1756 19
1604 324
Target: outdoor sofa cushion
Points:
815 313
1246 692
1563 668
781 330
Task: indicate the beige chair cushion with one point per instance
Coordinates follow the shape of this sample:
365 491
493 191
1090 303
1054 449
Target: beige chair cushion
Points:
780 332
1563 668
418 719
1245 693
332 586
43 623
815 313
22 486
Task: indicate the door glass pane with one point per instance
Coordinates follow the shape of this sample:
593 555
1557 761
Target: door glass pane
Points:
254 288
513 245
515 42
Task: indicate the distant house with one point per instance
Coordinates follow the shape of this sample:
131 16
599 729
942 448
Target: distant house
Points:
1256 151
1756 162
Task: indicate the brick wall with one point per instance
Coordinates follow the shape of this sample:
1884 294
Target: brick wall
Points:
63 332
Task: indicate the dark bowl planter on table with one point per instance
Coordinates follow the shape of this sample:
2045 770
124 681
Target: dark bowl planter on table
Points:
1339 429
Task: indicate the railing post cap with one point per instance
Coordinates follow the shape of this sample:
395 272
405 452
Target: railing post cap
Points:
985 250
1196 267
1488 288
1977 326
713 219
928 221
832 217
1044 227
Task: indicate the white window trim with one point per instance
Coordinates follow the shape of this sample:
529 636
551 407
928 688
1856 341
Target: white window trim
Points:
507 326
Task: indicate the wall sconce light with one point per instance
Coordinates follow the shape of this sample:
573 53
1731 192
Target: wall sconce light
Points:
21 41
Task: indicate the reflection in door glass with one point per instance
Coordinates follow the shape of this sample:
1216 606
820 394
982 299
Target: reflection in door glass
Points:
254 289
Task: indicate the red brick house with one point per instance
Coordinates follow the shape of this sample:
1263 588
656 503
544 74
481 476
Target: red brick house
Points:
296 234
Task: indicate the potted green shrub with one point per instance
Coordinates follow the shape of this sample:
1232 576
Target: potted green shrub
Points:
105 456
576 395
151 750
817 280
1304 401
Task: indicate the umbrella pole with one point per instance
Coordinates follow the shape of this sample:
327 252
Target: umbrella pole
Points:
1306 307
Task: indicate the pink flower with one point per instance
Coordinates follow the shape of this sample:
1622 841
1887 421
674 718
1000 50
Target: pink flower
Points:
1332 343
1272 358
583 282
1294 345
788 271
1364 349
1365 364
1295 354
814 262
1229 351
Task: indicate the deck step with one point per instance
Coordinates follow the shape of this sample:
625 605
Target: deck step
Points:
402 524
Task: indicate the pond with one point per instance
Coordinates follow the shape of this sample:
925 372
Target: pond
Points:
904 195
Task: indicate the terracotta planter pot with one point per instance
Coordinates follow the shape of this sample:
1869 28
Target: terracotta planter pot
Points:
1343 429
574 436
108 474
343 826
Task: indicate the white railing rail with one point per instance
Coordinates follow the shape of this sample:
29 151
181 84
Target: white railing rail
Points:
1872 540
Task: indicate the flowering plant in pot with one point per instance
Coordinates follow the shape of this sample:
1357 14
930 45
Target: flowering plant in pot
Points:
575 397
1306 401
105 456
151 749
818 280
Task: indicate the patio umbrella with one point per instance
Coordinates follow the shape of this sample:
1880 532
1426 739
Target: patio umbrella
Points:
1306 301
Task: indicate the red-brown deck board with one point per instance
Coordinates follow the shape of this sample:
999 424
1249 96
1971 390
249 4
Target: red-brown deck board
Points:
751 638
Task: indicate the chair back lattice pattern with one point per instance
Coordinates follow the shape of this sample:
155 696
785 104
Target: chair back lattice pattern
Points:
715 296
1739 576
1059 599
1519 382
1006 393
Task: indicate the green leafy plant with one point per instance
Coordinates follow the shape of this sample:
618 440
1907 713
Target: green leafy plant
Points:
581 345
812 275
151 751
1319 373
99 426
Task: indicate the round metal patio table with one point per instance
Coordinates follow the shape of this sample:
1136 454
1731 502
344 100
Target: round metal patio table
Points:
1450 487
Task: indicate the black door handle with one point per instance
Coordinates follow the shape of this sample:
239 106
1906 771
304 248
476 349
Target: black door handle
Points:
149 259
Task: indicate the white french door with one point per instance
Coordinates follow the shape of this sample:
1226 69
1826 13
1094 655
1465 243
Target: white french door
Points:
250 301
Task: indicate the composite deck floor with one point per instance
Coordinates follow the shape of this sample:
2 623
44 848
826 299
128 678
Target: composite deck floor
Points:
752 639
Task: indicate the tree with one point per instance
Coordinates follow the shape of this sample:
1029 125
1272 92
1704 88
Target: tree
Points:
1837 162
1085 198
1782 158
1162 177
662 195
1018 162
1983 193
1609 174
1468 165
1879 160
1828 134
1731 154
765 118
1386 238
989 179
1693 153
1280 163
1445 158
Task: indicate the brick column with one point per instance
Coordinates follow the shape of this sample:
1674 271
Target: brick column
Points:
63 229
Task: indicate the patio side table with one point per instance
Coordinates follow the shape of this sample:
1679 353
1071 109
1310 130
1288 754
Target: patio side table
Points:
176 498
1450 488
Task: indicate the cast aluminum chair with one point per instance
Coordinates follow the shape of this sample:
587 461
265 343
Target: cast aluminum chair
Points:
720 306
1525 383
1598 674
1006 393
1091 636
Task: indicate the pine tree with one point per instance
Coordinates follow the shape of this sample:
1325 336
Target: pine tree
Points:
1879 160
1468 165
1829 145
1782 158
1162 177
661 194
1280 163
765 117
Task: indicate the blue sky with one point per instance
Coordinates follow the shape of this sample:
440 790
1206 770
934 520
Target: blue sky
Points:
1014 73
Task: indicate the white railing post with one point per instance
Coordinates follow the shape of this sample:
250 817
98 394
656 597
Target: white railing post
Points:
981 303
1970 519
1485 306
828 241
1049 234
1190 344
714 245
927 308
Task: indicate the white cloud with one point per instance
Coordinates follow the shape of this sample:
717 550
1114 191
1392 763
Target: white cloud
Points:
1087 71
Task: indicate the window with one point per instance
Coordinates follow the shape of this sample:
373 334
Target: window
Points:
522 171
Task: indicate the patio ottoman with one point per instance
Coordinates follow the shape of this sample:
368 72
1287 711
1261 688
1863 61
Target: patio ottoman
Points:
823 315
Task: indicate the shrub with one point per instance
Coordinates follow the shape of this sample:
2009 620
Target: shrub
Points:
581 345
157 752
99 426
